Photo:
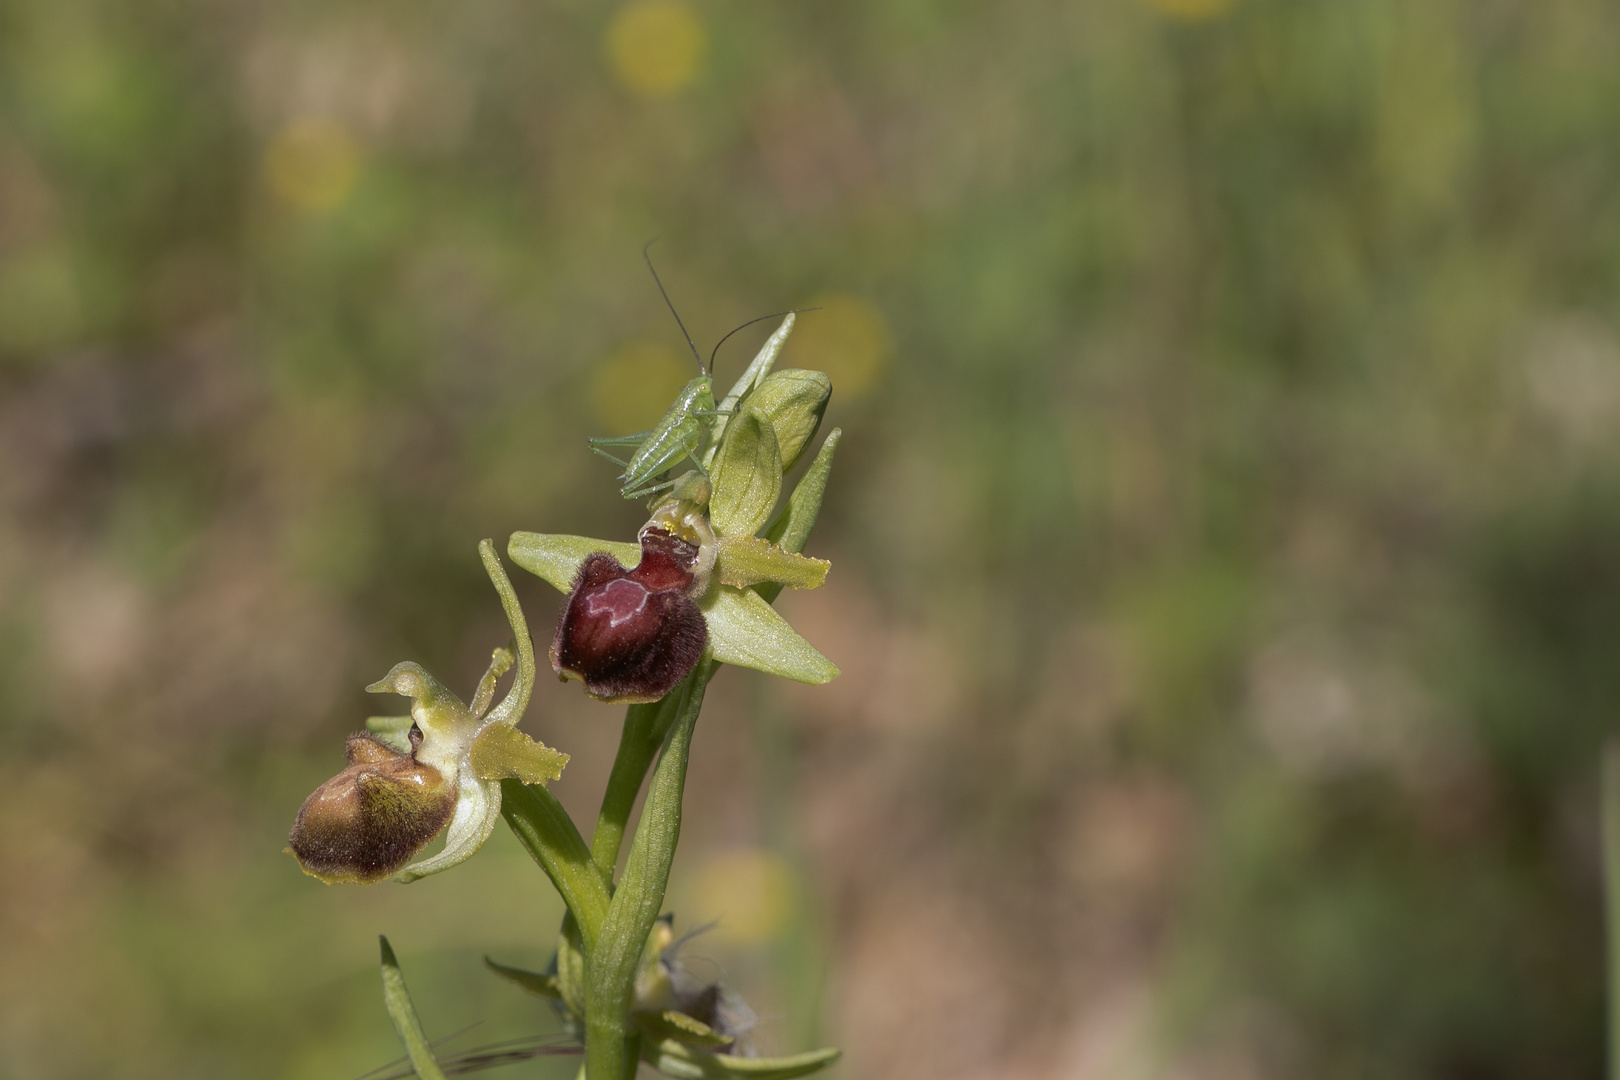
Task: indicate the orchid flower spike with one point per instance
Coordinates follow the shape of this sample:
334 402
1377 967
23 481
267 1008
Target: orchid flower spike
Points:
700 578
410 777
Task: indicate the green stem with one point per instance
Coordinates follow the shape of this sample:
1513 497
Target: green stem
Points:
1611 881
545 829
644 728
636 903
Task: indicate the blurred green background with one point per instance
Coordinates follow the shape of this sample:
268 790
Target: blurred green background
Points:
1226 537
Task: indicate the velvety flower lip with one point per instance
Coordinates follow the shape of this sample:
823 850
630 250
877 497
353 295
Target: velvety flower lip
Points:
374 816
631 635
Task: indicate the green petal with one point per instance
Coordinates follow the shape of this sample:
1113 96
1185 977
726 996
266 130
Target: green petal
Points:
742 561
556 558
746 631
500 752
674 1059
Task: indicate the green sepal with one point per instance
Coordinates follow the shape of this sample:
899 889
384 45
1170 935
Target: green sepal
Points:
673 1024
742 561
673 1058
792 526
542 985
501 753
397 999
791 529
793 400
393 732
555 558
751 377
745 630
747 475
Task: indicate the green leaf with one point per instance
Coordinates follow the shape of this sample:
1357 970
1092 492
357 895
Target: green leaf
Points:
747 475
673 1058
397 999
746 631
534 982
672 1024
555 558
505 753
742 561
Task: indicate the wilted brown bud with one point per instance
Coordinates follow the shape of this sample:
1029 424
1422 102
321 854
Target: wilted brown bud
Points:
631 635
370 819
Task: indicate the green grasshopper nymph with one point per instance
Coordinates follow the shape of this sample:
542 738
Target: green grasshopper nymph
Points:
686 428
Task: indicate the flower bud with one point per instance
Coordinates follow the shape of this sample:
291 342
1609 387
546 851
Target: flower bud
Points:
793 400
747 475
370 819
631 635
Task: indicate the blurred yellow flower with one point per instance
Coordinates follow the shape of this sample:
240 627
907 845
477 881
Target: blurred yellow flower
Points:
631 388
750 892
656 47
1192 9
312 163
848 338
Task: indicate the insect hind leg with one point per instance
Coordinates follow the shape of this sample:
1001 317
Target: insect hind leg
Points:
617 440
599 452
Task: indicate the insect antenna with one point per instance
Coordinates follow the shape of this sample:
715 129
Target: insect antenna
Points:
751 322
689 344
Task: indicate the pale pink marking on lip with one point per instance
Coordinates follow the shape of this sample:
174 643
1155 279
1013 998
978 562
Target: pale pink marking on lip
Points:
622 599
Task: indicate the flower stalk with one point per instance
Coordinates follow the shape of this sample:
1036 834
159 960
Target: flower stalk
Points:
647 624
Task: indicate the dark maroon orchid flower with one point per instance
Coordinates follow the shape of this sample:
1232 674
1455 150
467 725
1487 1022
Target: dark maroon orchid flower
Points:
631 635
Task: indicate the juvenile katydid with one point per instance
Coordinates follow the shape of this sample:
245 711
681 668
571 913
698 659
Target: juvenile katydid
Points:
688 424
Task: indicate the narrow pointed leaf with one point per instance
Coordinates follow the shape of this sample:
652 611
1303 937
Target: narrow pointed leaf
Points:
746 631
397 999
534 982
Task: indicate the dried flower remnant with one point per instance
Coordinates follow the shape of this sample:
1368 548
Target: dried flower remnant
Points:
631 635
414 776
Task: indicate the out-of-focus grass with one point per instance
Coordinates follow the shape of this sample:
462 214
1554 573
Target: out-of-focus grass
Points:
1224 537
